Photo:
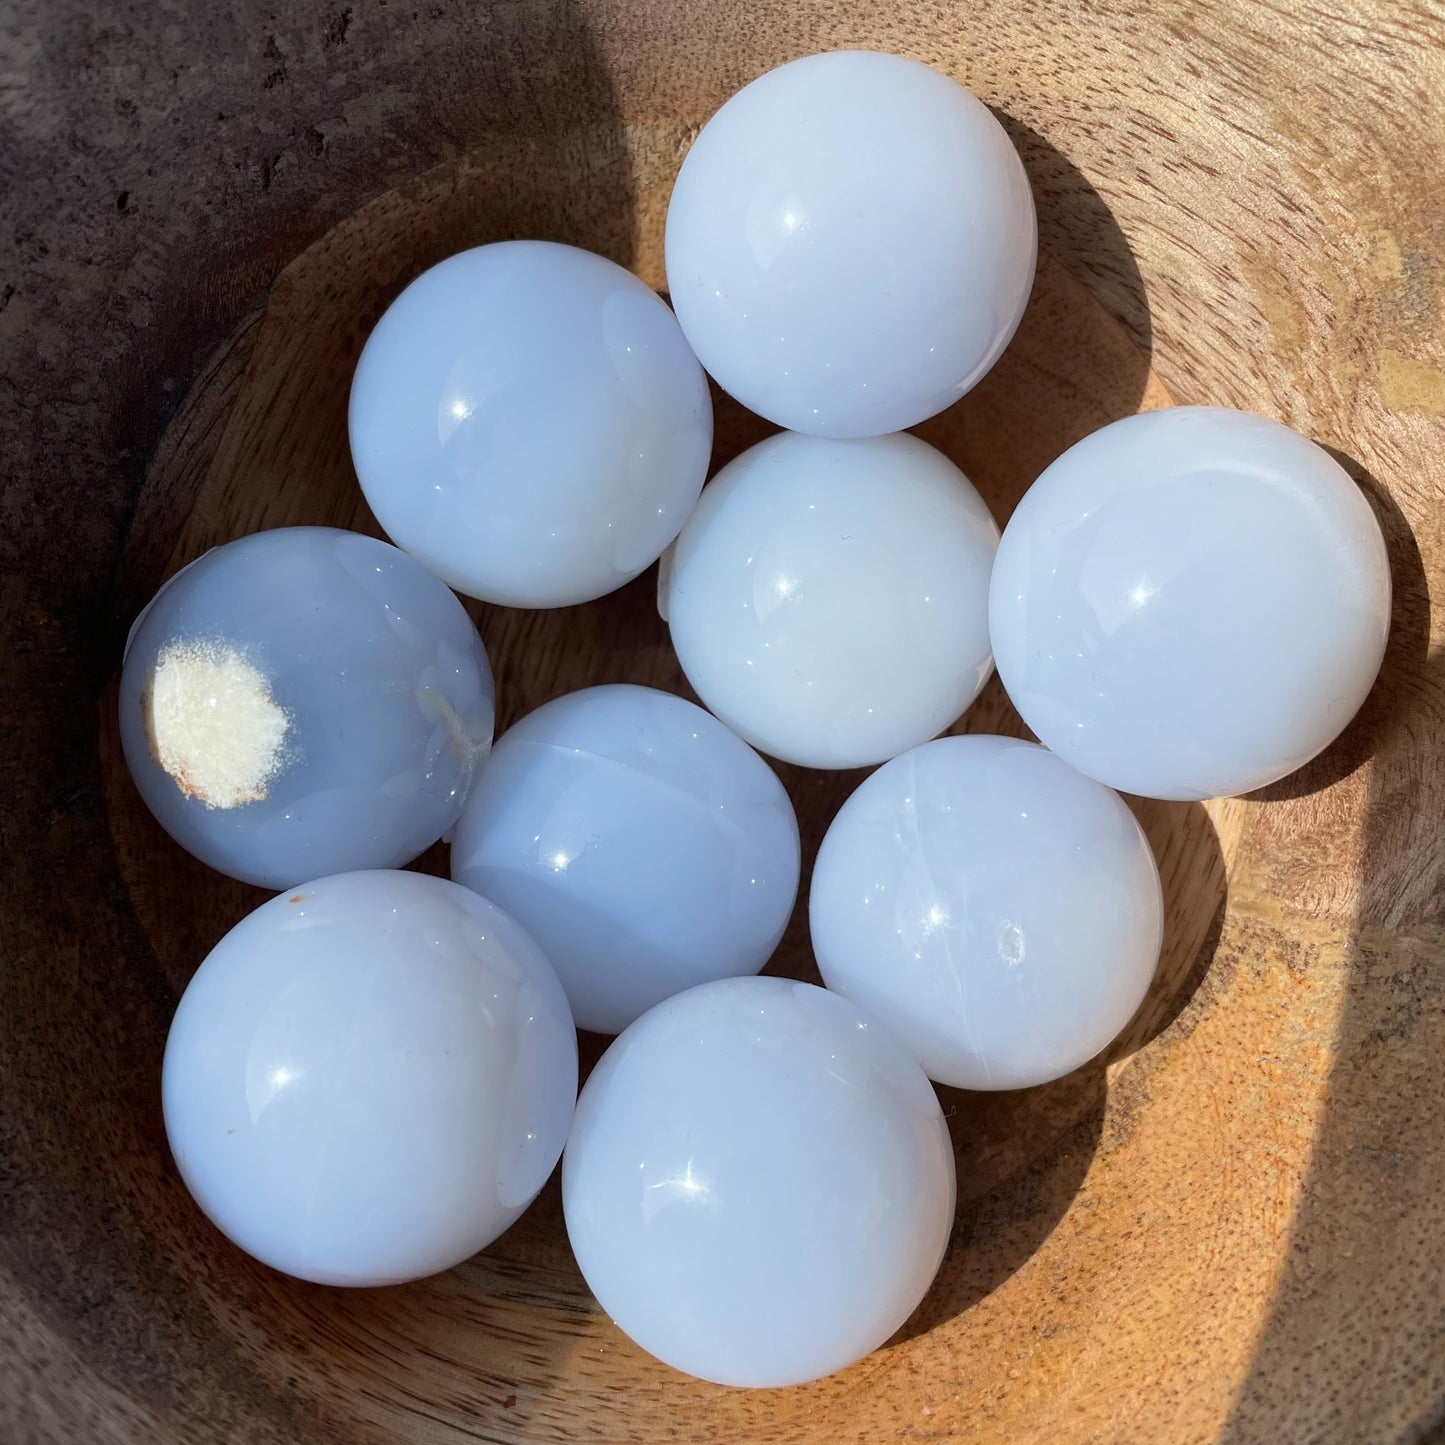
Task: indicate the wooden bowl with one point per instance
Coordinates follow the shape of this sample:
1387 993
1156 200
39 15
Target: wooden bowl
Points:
1231 1228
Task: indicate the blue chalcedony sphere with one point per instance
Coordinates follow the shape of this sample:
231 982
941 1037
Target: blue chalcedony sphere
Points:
302 702
528 420
996 911
759 1184
369 1078
642 844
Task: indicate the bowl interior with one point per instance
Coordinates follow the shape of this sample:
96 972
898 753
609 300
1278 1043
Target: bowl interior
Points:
1138 1246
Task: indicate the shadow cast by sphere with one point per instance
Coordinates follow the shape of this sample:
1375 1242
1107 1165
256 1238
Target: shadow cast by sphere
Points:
1021 1156
1359 1255
1081 356
1077 228
539 655
1193 879
1405 652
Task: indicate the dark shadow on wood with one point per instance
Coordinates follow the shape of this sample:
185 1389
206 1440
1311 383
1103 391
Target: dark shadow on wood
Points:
237 136
1405 650
1361 1277
1192 876
1021 1156
1081 356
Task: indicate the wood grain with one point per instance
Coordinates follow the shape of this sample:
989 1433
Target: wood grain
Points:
1230 1228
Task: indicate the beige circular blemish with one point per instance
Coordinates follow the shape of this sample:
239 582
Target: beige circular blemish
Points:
213 724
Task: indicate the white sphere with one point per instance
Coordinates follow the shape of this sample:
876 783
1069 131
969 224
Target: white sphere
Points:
527 420
302 702
850 243
370 1078
996 911
829 599
644 846
1190 603
759 1183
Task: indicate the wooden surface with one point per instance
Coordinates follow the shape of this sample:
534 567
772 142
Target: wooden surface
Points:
1229 1230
